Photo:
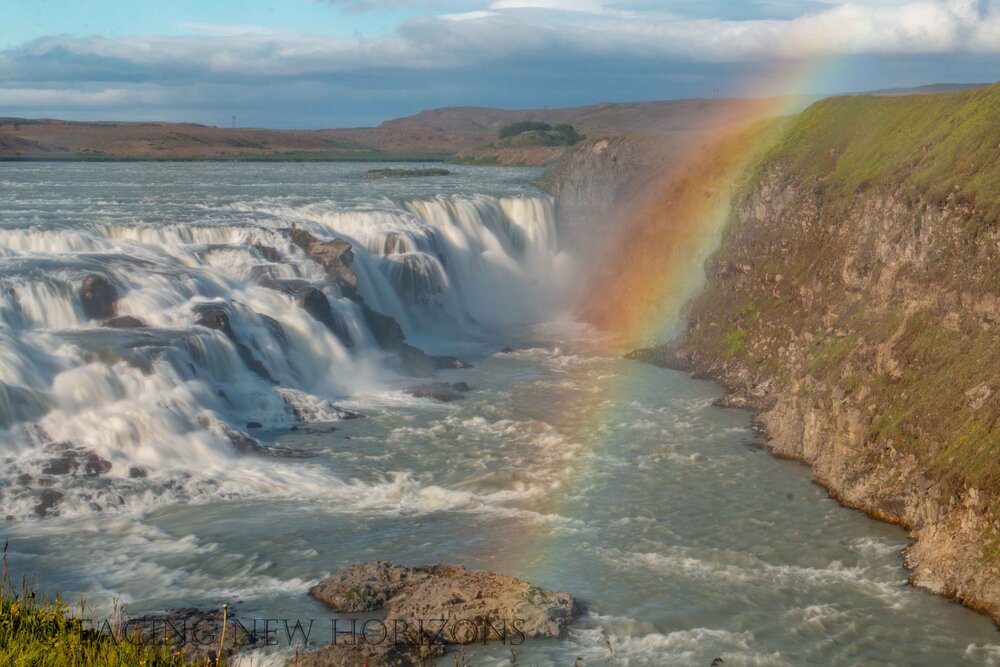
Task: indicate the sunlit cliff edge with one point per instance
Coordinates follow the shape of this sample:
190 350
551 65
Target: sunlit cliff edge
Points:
854 303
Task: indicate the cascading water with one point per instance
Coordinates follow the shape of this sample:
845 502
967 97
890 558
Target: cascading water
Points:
563 464
139 345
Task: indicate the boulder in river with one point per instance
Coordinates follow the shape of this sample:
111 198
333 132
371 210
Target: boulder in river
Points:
445 392
475 603
98 297
334 256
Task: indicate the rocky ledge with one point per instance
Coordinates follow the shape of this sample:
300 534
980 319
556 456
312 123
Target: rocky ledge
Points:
865 338
430 607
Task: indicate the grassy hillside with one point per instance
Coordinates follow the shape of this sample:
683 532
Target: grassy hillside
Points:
936 145
855 300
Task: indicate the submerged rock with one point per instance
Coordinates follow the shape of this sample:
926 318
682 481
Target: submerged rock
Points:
215 315
73 461
48 500
312 300
245 444
267 252
98 297
123 322
475 603
389 335
336 257
444 392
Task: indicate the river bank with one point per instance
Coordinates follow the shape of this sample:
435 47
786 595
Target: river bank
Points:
853 304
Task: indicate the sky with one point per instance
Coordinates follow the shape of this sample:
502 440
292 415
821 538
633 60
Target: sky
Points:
350 63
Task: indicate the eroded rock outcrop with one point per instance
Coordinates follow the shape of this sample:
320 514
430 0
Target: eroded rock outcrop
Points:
866 336
334 256
98 297
440 605
389 336
312 300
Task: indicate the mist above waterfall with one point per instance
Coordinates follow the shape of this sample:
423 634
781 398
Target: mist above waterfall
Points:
216 321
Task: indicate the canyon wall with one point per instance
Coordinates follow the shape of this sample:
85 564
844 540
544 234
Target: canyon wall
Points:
855 304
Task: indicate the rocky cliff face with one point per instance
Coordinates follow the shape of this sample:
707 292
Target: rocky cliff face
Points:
596 181
866 334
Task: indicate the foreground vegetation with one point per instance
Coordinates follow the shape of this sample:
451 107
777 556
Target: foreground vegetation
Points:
37 632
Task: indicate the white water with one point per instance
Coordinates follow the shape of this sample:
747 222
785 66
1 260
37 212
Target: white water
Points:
566 465
159 403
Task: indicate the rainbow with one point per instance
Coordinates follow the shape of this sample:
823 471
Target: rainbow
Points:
666 235
654 268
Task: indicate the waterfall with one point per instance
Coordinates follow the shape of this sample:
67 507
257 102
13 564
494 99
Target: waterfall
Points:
141 351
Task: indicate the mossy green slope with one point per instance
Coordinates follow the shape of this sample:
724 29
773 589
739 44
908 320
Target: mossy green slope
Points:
933 145
855 300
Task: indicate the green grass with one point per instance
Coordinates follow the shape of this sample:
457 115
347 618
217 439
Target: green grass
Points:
37 632
935 146
403 173
829 356
734 341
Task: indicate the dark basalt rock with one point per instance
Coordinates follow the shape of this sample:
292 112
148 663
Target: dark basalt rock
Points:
48 500
312 300
213 316
98 297
267 252
389 335
216 316
276 330
123 322
444 392
334 256
72 461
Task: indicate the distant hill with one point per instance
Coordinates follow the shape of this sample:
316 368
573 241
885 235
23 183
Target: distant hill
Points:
436 134
925 90
595 120
57 139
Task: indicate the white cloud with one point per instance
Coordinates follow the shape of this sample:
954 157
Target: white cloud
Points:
512 28
85 72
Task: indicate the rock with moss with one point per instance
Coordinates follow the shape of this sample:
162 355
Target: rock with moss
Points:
467 597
